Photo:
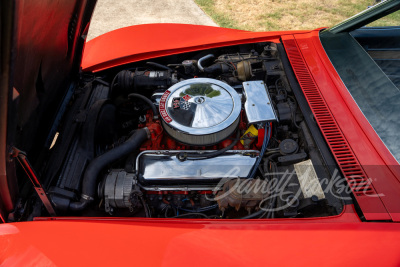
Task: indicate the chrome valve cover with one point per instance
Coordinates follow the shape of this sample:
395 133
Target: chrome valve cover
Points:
162 167
200 111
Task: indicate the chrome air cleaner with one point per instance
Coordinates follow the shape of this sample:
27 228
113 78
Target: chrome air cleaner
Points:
200 111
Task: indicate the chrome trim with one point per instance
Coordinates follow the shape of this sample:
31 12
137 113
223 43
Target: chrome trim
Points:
162 165
201 60
231 96
258 105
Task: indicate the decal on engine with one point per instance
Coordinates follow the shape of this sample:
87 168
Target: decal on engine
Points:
187 97
185 104
175 102
163 109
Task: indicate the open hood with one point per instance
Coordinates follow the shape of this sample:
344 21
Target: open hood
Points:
42 43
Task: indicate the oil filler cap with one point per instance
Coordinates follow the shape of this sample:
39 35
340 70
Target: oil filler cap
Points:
288 146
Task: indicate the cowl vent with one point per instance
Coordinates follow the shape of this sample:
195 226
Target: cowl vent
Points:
339 146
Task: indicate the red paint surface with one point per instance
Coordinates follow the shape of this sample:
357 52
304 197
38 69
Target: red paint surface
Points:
372 154
339 240
199 243
147 41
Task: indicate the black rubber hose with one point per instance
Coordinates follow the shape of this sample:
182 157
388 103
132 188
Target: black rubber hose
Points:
148 102
157 65
94 168
123 81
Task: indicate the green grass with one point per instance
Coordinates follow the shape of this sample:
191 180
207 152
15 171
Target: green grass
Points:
223 20
390 20
277 15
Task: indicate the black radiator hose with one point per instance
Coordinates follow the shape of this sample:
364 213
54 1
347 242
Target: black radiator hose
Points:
92 172
148 102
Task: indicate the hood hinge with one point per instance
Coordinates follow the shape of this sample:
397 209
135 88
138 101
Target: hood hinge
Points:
25 164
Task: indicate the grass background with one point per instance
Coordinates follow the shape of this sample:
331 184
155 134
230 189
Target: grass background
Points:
277 15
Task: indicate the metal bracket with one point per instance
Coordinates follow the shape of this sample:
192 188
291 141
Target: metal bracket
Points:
25 164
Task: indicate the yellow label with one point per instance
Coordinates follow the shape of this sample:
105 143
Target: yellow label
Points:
249 135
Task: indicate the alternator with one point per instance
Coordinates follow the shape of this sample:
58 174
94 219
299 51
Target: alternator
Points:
117 191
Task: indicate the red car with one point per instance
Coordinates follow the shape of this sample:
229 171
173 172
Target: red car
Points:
169 144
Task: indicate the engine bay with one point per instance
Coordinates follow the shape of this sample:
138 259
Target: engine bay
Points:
215 134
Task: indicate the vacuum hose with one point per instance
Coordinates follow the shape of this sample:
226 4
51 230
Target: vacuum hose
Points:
93 170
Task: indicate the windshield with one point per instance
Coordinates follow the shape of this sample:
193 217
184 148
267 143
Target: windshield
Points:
368 62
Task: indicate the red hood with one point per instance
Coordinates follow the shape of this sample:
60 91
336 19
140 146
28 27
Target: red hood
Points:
154 242
41 50
142 42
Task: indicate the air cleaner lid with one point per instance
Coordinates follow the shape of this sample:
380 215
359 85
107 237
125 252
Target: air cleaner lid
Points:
200 106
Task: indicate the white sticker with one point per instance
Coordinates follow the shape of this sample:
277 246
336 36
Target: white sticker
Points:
308 179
